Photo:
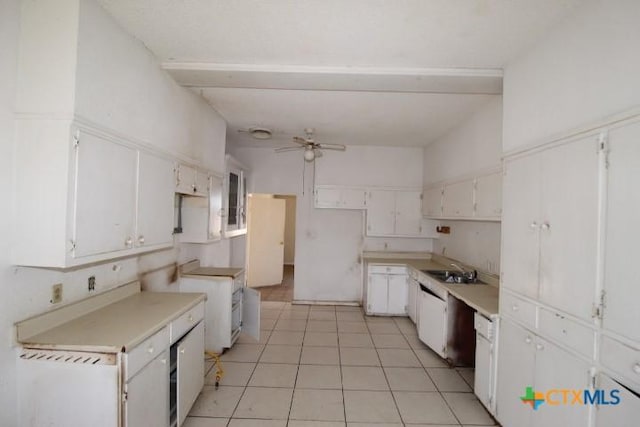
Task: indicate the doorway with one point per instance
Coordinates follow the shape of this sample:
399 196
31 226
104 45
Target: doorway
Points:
271 231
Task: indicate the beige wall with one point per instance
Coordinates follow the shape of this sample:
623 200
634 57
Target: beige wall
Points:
289 228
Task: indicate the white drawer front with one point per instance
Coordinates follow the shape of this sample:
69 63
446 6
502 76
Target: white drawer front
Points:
145 352
518 309
483 326
567 332
387 269
185 322
621 358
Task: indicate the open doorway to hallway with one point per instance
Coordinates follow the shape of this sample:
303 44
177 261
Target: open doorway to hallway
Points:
271 231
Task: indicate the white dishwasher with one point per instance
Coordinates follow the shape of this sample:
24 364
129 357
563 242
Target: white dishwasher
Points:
484 382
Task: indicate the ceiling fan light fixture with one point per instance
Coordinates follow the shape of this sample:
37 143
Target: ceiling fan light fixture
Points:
309 154
260 133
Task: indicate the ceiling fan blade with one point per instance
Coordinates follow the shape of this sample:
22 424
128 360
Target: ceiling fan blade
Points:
284 149
332 146
301 141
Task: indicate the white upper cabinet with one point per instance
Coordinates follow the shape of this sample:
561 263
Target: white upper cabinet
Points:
202 217
105 196
621 314
394 213
432 203
549 226
155 201
488 196
235 199
190 181
338 197
457 200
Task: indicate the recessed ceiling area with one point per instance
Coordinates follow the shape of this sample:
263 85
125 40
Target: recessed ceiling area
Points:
374 72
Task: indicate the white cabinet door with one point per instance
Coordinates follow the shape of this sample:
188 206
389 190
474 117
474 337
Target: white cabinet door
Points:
516 366
353 198
398 294
569 227
201 183
413 300
185 179
190 359
408 213
381 213
621 415
483 370
557 369
432 202
155 201
432 322
105 196
520 225
622 229
251 313
215 207
488 196
327 197
147 402
377 294
457 200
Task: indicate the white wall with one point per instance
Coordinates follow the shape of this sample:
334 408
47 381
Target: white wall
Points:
329 241
585 69
473 146
26 291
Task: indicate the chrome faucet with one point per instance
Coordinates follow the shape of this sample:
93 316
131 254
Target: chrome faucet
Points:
471 275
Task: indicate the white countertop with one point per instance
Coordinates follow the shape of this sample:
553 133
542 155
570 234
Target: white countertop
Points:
483 298
119 326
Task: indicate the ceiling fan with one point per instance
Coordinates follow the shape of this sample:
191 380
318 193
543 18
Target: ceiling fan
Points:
310 147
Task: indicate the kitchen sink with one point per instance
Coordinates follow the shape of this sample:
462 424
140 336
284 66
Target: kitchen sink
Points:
449 276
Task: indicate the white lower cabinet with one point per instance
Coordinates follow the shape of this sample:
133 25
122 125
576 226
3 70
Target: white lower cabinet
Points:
231 308
485 369
412 297
623 414
432 321
387 290
527 360
141 407
189 372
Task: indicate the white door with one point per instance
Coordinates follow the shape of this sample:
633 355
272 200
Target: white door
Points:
377 294
483 370
488 196
105 196
412 300
215 207
569 227
432 202
328 197
432 322
520 225
622 229
557 369
190 380
147 402
155 201
516 367
398 294
251 313
457 200
621 415
265 241
381 214
408 213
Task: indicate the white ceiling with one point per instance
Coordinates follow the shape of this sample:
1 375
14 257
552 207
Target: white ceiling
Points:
260 59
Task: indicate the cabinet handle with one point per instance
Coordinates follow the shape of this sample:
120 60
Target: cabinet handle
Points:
545 226
636 368
191 318
533 225
150 350
539 347
528 340
141 240
163 361
515 307
182 350
128 242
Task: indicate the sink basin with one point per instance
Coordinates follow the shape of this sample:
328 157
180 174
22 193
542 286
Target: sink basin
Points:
449 276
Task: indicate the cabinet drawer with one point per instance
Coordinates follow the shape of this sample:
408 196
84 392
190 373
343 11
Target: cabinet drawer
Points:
387 269
483 326
145 352
518 309
185 322
621 358
567 332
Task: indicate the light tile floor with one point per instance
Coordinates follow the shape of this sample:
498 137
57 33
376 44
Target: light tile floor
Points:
331 366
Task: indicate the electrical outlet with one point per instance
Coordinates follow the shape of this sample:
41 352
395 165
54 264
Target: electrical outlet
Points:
56 293
91 283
